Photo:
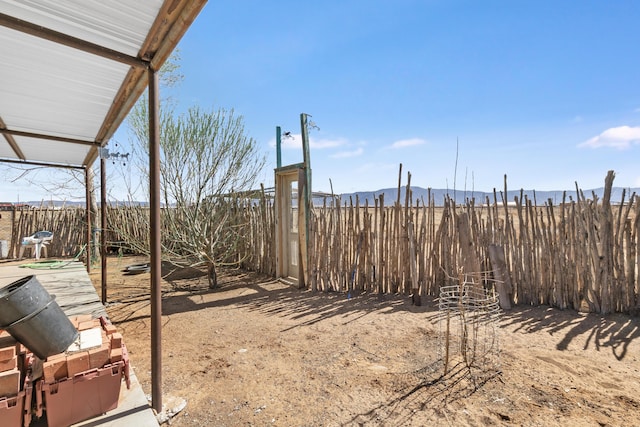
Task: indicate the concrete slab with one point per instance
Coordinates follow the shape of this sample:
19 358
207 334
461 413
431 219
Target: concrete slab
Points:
75 294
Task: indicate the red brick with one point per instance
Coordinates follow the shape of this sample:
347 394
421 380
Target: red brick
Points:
7 353
116 340
9 383
83 326
115 355
83 318
103 320
77 362
109 328
55 368
99 356
7 365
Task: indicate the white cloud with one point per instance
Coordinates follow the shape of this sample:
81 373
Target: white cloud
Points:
577 119
621 137
346 154
408 143
326 143
287 142
294 141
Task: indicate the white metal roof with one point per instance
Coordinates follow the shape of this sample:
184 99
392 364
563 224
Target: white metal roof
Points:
70 71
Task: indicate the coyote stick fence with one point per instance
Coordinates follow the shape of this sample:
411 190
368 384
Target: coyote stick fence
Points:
579 254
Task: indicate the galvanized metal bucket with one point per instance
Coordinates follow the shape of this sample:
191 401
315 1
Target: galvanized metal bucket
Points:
32 316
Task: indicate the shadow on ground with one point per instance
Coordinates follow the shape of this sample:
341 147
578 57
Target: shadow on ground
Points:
614 332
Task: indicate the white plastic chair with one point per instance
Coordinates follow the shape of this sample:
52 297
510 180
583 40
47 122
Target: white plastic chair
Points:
38 241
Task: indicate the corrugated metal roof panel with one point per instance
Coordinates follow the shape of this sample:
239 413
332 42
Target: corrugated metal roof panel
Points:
46 151
68 94
121 25
49 89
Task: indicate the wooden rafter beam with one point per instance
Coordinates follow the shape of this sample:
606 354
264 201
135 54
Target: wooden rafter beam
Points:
44 164
12 142
67 40
5 131
172 22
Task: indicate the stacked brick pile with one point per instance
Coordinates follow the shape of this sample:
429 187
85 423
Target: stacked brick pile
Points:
75 360
15 389
83 382
10 374
78 384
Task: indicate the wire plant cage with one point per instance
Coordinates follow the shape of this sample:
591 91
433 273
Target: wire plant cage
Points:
469 315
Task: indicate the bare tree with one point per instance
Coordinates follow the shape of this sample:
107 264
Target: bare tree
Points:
208 164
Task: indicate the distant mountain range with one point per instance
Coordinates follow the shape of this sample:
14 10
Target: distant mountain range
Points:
461 196
419 193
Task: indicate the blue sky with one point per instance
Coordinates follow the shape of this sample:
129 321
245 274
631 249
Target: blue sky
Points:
546 92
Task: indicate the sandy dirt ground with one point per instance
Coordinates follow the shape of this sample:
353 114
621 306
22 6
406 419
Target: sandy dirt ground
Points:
256 352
